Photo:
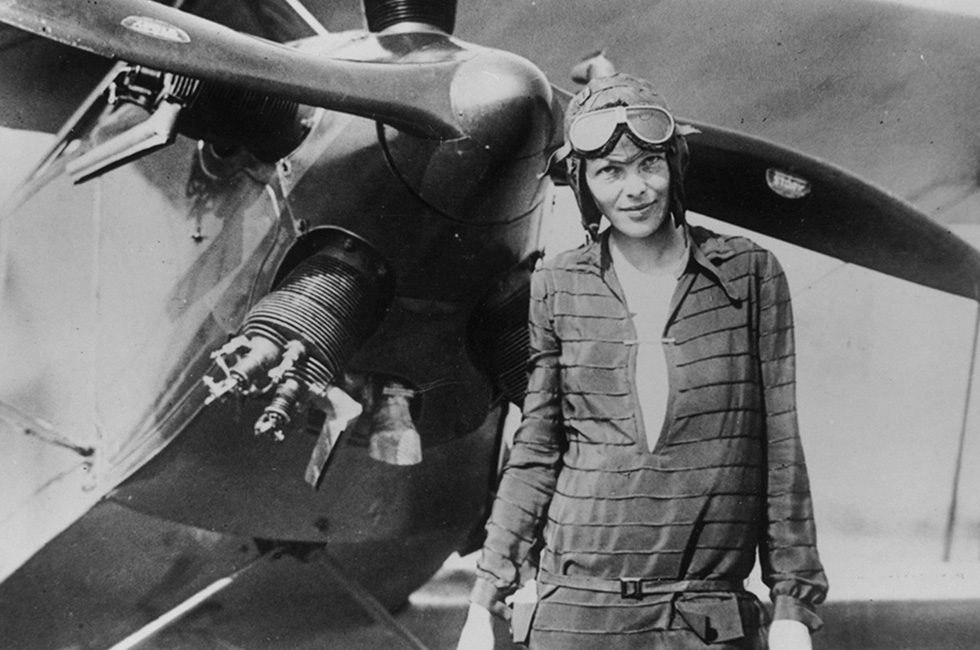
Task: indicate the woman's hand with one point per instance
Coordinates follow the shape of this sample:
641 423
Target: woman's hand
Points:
477 631
785 634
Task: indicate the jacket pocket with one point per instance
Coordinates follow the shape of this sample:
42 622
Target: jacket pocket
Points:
715 619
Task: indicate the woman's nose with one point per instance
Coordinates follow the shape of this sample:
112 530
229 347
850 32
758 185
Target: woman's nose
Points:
635 184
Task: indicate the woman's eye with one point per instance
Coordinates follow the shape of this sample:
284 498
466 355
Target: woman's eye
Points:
653 163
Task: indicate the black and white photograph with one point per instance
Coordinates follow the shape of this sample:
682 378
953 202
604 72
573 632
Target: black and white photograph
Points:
469 325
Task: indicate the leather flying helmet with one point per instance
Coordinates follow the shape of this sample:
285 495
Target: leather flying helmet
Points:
607 109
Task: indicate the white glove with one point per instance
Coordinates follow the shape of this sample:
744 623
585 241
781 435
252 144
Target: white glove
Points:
786 634
477 633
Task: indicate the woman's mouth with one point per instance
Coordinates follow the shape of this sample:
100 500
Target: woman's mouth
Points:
638 209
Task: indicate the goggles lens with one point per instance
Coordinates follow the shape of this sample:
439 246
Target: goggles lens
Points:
590 132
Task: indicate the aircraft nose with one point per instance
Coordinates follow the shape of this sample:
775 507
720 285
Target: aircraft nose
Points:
503 102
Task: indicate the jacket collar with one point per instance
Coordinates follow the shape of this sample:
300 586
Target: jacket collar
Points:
707 250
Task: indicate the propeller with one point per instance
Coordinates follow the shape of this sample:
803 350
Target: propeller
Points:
778 192
769 189
153 35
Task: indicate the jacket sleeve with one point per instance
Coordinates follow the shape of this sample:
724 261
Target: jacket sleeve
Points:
528 480
791 567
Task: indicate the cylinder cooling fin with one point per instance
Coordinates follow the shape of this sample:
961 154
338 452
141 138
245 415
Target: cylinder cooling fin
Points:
224 115
269 127
498 334
295 342
332 301
382 14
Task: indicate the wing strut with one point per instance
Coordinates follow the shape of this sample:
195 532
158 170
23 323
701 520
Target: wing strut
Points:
366 599
307 17
951 519
172 615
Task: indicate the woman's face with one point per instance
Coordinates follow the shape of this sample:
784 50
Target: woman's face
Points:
631 186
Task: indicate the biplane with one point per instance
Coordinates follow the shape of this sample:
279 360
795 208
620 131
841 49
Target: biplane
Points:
265 292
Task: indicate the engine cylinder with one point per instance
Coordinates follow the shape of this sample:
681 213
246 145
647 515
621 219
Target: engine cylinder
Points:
268 126
332 301
498 333
381 14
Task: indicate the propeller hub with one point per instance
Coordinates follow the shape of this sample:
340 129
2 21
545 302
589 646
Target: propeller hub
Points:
383 14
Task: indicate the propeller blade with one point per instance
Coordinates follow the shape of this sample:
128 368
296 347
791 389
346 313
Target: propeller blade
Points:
412 98
778 192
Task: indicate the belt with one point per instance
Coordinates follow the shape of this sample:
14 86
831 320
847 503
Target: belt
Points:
637 588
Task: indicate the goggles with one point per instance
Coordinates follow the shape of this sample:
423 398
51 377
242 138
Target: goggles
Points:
590 133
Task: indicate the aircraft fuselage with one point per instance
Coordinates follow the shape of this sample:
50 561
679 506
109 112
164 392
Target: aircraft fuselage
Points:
150 267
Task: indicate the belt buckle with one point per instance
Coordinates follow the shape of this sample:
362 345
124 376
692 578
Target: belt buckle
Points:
631 588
